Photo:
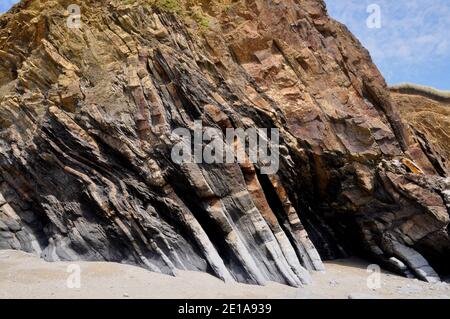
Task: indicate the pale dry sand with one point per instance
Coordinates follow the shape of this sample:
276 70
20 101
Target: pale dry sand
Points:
26 276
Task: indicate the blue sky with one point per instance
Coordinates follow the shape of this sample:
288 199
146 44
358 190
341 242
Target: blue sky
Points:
412 45
6 4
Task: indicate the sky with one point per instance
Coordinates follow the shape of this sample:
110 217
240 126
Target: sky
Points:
412 43
5 5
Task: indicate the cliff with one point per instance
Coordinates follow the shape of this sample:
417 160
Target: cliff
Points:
87 120
427 111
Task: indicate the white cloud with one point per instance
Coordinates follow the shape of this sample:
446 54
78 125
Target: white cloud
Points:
412 30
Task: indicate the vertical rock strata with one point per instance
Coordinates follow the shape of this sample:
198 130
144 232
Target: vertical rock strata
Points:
87 120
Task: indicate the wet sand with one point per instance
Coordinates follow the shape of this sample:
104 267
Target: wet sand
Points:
26 276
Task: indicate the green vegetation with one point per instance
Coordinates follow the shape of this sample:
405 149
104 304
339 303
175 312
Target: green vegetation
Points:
201 20
176 7
172 6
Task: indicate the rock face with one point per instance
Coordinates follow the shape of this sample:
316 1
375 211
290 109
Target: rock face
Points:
428 114
87 120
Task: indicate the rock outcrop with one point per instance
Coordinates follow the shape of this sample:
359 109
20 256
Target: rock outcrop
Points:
87 120
427 112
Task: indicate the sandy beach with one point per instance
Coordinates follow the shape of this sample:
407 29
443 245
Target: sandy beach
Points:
26 276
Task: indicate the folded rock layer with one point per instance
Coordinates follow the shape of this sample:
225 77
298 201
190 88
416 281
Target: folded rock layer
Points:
87 121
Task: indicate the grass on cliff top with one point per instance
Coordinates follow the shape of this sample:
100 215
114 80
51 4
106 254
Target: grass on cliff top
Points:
421 88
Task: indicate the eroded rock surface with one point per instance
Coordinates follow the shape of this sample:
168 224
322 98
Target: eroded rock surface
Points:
428 115
86 131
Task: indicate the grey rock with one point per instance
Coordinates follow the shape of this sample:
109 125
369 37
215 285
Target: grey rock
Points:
397 263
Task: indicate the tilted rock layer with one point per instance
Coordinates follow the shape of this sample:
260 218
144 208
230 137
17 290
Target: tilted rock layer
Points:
86 132
429 117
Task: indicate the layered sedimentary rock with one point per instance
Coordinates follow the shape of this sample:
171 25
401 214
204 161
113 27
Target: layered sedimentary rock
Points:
87 120
427 112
